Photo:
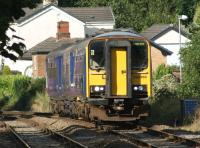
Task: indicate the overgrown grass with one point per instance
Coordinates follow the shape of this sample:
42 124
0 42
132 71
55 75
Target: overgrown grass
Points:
195 124
18 92
41 103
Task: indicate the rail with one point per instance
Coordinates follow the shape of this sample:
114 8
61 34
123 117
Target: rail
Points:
24 143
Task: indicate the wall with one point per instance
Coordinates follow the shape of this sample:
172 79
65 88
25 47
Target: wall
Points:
157 58
45 26
170 40
39 65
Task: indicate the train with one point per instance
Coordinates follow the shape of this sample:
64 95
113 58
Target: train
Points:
106 77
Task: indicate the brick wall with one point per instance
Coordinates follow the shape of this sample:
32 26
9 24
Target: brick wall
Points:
39 65
157 58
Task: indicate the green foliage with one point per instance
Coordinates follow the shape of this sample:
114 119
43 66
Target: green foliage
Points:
17 91
41 103
190 57
165 104
6 70
11 10
196 19
161 71
140 14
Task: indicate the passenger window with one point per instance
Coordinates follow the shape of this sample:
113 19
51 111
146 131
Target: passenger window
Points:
97 54
139 55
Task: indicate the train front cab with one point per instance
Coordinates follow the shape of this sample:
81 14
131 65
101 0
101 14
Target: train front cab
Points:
119 77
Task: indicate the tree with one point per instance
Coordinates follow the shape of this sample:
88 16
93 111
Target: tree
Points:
196 19
11 10
190 57
140 14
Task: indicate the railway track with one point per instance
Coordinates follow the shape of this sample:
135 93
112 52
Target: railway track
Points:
8 138
34 136
147 137
34 133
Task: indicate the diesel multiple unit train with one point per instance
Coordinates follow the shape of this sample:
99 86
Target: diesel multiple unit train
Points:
106 77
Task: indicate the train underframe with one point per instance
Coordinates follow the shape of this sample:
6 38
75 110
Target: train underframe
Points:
101 110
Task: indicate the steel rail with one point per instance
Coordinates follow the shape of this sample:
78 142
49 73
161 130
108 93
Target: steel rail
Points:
69 140
189 142
136 141
17 136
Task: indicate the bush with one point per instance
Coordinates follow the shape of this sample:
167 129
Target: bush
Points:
165 103
161 71
41 103
6 70
19 91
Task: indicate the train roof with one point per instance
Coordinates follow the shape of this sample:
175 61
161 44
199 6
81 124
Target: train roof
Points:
119 33
123 34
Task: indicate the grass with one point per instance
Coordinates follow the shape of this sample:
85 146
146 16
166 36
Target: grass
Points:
19 92
41 103
194 126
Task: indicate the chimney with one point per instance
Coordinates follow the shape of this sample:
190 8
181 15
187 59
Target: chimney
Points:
63 30
48 2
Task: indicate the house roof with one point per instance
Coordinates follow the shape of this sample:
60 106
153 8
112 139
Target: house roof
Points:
84 14
157 30
26 56
50 44
164 50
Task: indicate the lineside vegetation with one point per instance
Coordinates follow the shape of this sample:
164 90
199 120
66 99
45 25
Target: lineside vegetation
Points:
19 92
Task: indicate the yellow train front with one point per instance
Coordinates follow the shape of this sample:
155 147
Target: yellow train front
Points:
115 78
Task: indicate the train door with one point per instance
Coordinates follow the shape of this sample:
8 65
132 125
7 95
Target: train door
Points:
118 70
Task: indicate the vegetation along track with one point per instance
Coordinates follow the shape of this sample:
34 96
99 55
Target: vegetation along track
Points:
33 136
147 137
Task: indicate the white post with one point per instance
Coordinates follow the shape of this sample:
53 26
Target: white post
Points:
182 17
179 28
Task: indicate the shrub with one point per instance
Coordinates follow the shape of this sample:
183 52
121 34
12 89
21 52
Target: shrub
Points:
41 103
6 70
17 91
165 104
161 71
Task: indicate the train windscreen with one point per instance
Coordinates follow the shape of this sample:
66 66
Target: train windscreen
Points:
139 55
97 54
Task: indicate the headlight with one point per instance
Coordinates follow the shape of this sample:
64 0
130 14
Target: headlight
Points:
141 88
101 88
135 88
97 88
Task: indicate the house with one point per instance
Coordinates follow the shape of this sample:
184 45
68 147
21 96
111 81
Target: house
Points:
167 36
41 23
